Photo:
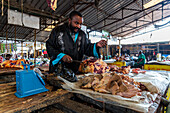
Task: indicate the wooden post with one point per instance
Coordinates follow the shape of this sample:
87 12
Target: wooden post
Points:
41 48
101 51
6 40
119 48
15 40
27 54
34 47
22 50
107 49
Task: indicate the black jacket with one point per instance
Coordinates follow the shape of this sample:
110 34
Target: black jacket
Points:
60 41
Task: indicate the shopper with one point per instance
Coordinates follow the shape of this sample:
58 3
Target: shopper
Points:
141 60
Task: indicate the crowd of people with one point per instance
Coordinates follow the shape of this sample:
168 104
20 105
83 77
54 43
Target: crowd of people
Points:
135 61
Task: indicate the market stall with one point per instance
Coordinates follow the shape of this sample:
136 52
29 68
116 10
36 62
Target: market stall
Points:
157 65
156 82
110 86
110 102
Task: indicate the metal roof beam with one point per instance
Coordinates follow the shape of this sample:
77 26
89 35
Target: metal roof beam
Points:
113 13
13 32
36 3
32 11
86 7
85 3
164 9
74 5
79 11
3 27
144 21
142 7
43 4
128 26
118 20
36 33
142 26
114 19
132 9
138 18
6 29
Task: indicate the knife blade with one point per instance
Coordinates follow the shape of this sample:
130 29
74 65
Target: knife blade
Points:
77 61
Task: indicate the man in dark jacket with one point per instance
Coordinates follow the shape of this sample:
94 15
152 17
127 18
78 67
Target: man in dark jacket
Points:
68 43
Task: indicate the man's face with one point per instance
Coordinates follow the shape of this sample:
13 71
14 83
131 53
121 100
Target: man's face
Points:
75 23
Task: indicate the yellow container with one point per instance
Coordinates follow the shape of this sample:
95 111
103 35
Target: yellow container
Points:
157 67
118 63
168 94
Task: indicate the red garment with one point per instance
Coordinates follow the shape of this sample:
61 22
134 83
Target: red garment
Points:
45 52
1 59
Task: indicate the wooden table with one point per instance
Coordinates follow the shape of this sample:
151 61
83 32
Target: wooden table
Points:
8 74
7 71
10 103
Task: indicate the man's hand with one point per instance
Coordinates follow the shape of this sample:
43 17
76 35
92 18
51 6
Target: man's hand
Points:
67 58
101 43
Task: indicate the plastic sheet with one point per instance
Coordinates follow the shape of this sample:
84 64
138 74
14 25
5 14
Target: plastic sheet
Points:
155 81
158 80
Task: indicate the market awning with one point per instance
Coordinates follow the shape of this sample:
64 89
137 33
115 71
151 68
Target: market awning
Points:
119 17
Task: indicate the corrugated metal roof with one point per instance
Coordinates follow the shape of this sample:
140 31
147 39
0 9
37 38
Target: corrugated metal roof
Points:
119 17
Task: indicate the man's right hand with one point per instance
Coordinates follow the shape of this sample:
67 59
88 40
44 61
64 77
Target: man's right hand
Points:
67 58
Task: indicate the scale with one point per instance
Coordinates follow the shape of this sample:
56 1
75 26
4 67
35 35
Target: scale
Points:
28 82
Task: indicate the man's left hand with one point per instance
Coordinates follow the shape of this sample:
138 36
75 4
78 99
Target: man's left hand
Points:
101 43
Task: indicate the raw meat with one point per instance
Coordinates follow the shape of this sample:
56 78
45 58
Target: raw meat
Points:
93 66
12 64
137 71
123 69
113 83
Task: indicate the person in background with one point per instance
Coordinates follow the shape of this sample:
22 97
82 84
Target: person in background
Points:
141 60
8 56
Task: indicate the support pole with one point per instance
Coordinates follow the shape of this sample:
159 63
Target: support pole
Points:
157 47
34 47
142 4
6 41
88 35
41 48
162 10
119 48
107 49
101 51
15 40
22 50
27 54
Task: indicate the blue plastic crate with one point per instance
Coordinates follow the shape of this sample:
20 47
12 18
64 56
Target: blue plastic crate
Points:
28 82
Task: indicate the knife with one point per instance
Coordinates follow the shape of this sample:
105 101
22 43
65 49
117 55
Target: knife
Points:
77 61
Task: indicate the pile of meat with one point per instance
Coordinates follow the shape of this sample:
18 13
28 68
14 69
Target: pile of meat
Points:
123 69
12 64
137 71
113 83
99 66
93 66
